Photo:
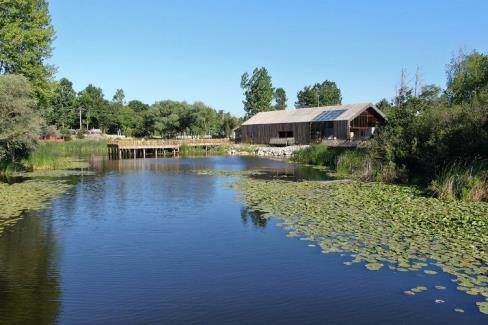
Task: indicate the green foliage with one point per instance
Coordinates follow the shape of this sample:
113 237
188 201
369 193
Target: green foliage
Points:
62 109
258 91
19 123
26 35
463 181
94 107
318 154
280 99
324 94
467 75
427 135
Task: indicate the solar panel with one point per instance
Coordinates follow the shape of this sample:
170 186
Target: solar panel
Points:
329 115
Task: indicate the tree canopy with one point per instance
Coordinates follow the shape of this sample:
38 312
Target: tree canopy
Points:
19 122
320 94
26 35
258 91
280 99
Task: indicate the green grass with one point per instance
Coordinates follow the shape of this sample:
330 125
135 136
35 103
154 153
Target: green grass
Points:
64 155
344 161
463 181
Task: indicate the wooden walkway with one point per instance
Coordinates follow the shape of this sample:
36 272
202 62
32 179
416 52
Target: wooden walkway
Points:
132 149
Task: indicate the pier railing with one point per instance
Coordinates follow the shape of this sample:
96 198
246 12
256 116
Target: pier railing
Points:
159 143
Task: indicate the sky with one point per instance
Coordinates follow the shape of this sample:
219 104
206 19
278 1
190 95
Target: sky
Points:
197 50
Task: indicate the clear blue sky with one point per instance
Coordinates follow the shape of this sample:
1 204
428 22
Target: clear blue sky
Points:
197 50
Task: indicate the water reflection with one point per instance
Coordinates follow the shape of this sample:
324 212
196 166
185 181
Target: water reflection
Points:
254 217
29 275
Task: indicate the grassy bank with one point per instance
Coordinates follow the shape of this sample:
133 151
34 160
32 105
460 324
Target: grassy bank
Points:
64 155
343 161
467 181
383 226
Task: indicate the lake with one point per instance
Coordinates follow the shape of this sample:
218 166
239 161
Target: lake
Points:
151 241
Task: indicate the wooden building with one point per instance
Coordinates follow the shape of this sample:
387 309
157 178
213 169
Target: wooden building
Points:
312 125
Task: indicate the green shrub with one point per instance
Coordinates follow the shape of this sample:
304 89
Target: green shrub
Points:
318 154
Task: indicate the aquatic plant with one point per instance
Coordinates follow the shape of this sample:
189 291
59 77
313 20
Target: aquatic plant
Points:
17 198
64 155
382 224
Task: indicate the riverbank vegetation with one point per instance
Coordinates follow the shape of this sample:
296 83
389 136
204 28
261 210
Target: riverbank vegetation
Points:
436 139
382 226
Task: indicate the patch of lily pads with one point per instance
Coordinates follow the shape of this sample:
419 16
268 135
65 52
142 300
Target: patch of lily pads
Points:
29 195
382 225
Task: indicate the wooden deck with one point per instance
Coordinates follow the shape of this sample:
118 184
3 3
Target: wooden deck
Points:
132 149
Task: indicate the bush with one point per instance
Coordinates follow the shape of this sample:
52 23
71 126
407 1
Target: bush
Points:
318 154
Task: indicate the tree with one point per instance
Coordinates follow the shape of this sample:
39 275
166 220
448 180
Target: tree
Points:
324 94
63 110
19 122
466 76
280 99
92 103
258 91
26 35
138 106
119 97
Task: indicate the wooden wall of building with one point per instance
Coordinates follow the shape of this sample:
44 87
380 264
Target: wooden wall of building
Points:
261 133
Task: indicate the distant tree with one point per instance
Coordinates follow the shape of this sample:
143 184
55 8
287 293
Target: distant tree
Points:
138 106
324 94
119 97
280 99
63 110
19 122
466 76
93 105
258 92
26 35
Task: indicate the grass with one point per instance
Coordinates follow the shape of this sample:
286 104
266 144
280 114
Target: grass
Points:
463 181
344 161
64 155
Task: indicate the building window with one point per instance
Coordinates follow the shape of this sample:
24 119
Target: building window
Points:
285 134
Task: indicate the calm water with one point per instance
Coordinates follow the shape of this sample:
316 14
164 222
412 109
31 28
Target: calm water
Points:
151 242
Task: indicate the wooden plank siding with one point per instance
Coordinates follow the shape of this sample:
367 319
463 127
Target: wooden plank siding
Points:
262 133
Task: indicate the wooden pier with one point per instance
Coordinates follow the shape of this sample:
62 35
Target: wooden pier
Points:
132 149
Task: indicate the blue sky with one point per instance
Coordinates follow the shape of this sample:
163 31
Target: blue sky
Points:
197 50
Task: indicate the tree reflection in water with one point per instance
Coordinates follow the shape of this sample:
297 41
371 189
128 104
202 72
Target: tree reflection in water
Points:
29 276
254 217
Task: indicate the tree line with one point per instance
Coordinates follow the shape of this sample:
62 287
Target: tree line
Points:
260 96
32 103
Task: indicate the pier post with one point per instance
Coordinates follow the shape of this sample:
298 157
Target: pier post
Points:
120 154
156 153
144 153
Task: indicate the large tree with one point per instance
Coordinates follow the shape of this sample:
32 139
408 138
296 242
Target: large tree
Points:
320 94
280 99
26 35
19 122
63 111
466 76
258 91
92 104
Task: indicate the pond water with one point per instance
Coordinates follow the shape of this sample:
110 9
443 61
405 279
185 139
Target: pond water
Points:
150 241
